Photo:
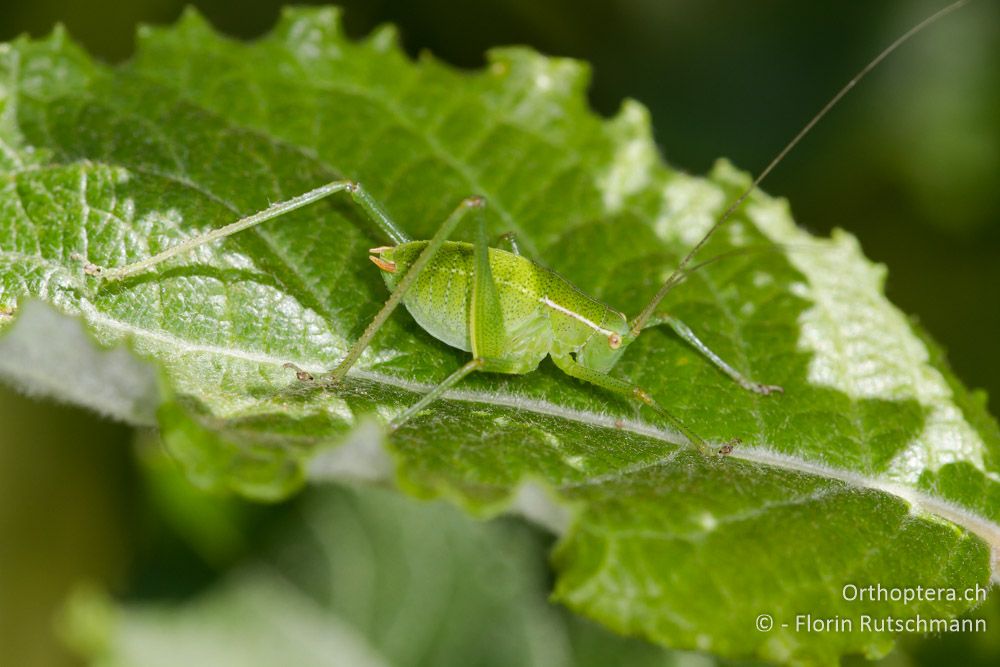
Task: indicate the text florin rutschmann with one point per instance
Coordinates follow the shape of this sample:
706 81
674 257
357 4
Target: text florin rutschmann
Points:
867 623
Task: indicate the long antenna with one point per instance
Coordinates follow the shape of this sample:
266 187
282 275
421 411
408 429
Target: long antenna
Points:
675 277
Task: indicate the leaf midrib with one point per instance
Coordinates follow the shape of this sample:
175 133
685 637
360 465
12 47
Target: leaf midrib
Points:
919 502
976 524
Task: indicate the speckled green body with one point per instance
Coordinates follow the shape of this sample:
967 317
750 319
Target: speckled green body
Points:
543 313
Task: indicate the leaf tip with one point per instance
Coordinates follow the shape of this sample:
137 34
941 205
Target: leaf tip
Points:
540 74
192 19
385 38
329 18
311 33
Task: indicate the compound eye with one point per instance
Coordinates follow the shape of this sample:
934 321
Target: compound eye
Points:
614 341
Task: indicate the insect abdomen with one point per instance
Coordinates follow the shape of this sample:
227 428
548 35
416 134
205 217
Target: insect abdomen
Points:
439 301
541 309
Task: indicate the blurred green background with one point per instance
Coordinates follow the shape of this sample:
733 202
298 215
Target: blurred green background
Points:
909 162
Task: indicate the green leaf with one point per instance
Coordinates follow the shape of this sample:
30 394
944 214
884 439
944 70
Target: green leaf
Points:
365 577
876 467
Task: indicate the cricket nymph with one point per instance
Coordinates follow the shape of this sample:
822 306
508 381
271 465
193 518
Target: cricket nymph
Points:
505 309
543 313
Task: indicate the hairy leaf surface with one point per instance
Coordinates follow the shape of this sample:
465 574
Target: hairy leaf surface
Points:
874 467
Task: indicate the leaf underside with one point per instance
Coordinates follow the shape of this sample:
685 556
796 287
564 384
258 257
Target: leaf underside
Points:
334 586
847 477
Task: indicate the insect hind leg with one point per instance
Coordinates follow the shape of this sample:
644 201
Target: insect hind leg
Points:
360 196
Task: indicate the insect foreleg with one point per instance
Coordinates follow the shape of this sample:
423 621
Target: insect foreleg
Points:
402 287
357 192
685 332
571 367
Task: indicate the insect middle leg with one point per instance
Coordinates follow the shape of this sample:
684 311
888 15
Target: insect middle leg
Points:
485 320
684 331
